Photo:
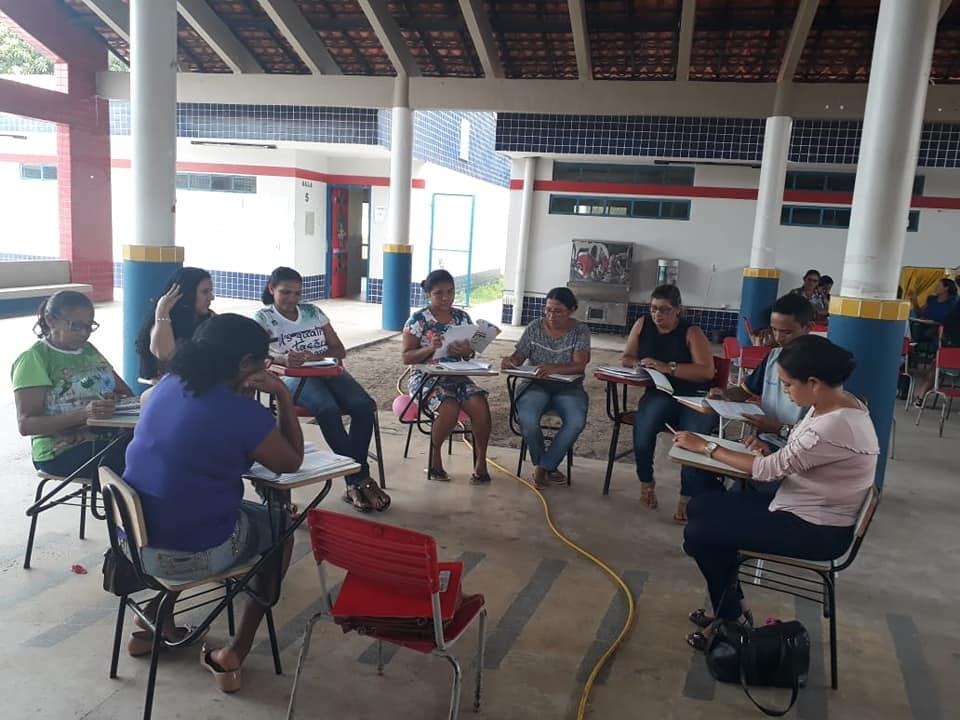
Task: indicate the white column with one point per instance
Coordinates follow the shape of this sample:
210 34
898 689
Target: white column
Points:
892 121
773 172
401 164
523 238
153 115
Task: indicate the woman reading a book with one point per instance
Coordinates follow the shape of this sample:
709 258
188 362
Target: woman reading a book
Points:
61 382
198 435
827 466
422 338
556 344
301 333
669 344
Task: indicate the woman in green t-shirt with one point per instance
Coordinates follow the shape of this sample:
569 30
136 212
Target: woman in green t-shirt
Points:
61 382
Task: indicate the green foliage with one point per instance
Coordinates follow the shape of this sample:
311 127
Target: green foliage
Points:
19 58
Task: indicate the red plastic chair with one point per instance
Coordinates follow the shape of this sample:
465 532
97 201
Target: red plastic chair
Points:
750 359
948 359
731 348
408 412
393 573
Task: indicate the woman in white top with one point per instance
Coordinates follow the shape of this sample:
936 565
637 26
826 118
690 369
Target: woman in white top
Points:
300 332
827 466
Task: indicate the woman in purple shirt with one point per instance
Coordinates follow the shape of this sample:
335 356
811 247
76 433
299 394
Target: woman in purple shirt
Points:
827 468
199 432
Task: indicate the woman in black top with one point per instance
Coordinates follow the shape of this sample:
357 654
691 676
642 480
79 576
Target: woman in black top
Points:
666 342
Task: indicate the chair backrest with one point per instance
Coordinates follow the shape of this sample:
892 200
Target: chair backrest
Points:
752 355
864 518
905 348
948 358
721 372
747 325
731 348
388 555
125 502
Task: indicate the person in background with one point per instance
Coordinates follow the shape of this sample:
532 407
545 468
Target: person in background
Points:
61 382
950 337
666 342
554 344
828 467
790 318
183 306
198 435
300 333
936 308
422 337
812 292
826 287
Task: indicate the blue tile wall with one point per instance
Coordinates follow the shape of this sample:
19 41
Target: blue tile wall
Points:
245 286
17 257
18 123
716 323
436 139
812 141
375 293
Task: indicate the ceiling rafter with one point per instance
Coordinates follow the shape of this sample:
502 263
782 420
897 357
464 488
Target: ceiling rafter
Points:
215 32
799 33
298 31
114 14
688 20
390 37
481 32
581 38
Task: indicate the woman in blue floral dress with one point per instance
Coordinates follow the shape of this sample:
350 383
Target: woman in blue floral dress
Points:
422 337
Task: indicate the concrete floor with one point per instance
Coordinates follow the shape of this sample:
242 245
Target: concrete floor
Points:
549 609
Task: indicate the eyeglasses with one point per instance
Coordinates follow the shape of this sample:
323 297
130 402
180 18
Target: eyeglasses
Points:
661 310
556 311
79 327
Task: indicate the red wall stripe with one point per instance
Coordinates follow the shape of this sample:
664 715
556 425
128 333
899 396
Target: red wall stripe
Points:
234 169
719 193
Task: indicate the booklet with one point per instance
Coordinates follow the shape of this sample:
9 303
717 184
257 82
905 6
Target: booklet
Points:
531 372
464 365
315 463
734 410
660 381
479 335
325 362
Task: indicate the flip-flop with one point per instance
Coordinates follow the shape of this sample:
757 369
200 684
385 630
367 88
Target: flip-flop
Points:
227 680
357 500
140 643
698 641
437 475
483 479
371 491
556 477
700 618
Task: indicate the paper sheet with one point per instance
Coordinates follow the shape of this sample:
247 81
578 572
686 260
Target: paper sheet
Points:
453 334
696 401
734 410
326 362
464 365
660 380
318 462
531 372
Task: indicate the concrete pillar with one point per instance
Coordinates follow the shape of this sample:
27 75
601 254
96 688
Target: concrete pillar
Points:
865 317
398 253
523 239
761 281
153 256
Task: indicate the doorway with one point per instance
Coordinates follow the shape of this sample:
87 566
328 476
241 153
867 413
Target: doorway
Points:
451 238
348 239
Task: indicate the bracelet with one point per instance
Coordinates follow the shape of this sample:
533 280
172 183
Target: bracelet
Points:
163 319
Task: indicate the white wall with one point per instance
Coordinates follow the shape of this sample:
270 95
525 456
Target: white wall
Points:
28 208
714 245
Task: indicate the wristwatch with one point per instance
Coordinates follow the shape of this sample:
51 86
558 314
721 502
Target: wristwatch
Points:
784 431
710 449
673 368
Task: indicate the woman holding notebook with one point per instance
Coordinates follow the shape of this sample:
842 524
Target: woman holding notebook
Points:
422 338
556 344
301 333
666 342
827 466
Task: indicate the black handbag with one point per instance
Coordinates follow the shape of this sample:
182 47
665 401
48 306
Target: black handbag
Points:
119 575
775 655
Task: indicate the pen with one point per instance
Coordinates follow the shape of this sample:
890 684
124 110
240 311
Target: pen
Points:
670 428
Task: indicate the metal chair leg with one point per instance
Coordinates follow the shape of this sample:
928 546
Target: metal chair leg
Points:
274 646
231 621
33 526
455 693
569 466
117 633
523 455
611 456
832 597
379 446
304 650
83 512
165 604
379 657
406 447
481 653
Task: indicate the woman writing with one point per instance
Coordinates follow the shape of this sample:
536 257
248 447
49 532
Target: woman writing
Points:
827 466
666 342
422 337
554 344
61 382
198 435
301 333
184 306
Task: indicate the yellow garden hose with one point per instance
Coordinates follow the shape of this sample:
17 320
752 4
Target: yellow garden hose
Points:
625 630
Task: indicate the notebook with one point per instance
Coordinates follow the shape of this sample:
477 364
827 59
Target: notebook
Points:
699 460
734 410
660 381
531 372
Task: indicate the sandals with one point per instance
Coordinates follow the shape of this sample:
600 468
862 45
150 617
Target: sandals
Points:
437 475
483 479
354 496
648 496
556 477
700 618
698 641
680 516
376 498
140 643
227 680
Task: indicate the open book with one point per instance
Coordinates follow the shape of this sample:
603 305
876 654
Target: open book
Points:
734 410
530 371
464 365
479 335
659 380
698 460
316 462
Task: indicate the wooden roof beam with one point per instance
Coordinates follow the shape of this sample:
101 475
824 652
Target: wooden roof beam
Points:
481 32
390 37
298 31
218 36
581 38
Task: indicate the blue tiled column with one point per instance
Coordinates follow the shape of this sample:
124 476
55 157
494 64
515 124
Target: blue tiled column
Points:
873 330
757 295
397 272
146 269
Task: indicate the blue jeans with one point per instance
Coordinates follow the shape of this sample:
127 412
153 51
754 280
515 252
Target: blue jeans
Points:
569 403
654 411
328 399
72 458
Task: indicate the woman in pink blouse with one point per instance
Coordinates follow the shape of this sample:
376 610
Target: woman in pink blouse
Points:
826 470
